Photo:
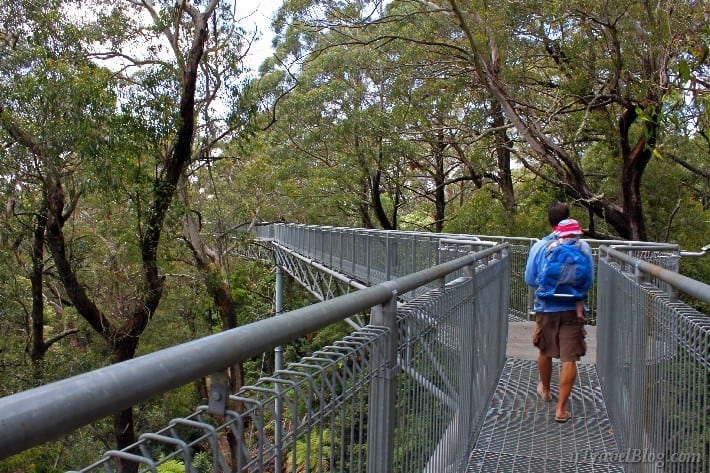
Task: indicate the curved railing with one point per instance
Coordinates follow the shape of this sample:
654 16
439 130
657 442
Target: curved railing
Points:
653 360
339 409
373 256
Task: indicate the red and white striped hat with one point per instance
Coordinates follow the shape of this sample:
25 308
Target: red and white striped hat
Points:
568 227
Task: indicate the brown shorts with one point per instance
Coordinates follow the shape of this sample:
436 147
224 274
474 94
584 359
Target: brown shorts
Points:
560 335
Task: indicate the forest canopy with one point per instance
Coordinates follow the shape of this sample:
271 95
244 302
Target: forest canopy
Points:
134 142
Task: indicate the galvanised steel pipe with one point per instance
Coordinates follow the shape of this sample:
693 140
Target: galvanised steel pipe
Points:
704 251
38 415
689 286
645 247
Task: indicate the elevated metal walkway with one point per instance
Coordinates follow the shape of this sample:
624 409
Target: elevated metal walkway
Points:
434 377
519 433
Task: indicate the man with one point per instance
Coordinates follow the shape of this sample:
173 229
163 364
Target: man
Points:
559 333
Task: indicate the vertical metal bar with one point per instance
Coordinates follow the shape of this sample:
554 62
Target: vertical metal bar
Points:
383 392
320 244
368 263
342 252
278 362
352 253
414 255
388 257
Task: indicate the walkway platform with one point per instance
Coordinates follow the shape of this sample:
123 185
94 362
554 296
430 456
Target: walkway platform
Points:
520 434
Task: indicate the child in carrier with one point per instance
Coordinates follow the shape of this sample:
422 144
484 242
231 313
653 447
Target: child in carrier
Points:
568 231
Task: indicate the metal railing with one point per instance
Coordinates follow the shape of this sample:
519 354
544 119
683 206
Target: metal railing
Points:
450 367
405 393
374 256
653 360
368 257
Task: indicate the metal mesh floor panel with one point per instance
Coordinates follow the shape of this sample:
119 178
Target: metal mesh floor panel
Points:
520 434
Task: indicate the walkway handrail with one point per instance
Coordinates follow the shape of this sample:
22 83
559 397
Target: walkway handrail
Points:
653 360
704 251
33 417
316 242
687 285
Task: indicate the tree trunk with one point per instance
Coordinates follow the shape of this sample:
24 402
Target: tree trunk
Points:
503 145
216 280
439 208
123 432
633 170
439 183
376 195
37 281
635 161
363 210
123 428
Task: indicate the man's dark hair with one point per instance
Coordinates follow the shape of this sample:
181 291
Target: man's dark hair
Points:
557 212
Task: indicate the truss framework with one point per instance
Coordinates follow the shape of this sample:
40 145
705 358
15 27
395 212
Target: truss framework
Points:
319 280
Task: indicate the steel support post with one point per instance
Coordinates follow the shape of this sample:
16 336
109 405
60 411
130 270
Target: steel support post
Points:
383 391
368 257
278 362
352 254
388 258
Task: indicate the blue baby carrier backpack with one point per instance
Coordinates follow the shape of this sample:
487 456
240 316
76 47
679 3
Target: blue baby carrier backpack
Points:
566 272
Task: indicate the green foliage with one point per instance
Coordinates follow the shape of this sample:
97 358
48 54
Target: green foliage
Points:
311 453
697 268
34 460
416 220
171 466
479 215
202 462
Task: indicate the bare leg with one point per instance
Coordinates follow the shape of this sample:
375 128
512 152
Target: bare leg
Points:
568 373
544 366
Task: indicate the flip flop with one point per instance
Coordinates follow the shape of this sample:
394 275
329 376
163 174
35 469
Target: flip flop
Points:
565 418
539 393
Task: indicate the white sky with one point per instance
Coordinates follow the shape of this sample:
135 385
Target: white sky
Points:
257 15
252 15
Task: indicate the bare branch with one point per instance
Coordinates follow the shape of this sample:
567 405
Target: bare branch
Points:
700 172
59 336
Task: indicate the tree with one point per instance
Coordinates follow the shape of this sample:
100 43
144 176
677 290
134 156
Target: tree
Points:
45 133
562 80
339 124
151 142
621 62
